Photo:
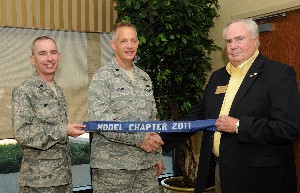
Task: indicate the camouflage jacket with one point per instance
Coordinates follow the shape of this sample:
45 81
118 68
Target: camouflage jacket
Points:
40 121
114 96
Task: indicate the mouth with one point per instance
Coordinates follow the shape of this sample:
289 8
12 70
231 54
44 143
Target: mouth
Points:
129 52
234 54
49 65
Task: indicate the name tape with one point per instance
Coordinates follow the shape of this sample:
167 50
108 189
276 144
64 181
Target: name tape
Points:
151 126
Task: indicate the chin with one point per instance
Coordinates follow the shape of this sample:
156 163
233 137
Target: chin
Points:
130 59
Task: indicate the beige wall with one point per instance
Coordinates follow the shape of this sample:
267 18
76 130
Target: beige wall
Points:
233 9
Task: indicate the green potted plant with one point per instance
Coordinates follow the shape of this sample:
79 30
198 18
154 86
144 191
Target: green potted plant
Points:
175 51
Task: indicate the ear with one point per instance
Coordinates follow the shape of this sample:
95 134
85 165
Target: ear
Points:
58 57
31 59
256 41
112 45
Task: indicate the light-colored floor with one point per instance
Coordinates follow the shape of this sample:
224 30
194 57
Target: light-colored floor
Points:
81 139
7 141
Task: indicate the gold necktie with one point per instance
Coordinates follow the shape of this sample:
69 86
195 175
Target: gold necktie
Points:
216 146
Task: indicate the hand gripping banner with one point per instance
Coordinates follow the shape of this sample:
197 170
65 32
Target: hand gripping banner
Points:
151 126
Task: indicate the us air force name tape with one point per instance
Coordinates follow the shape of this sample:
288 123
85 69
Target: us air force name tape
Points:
151 126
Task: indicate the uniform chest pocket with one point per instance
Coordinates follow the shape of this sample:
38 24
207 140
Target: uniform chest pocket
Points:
121 92
47 111
146 101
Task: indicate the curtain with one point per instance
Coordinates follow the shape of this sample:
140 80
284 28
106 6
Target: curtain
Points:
78 15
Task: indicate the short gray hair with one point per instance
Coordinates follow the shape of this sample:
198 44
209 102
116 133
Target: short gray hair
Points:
253 28
119 25
38 39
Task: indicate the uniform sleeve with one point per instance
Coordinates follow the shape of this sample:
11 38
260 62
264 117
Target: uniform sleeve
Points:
28 130
154 111
99 110
158 155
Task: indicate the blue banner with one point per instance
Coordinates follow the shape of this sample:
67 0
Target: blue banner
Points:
151 126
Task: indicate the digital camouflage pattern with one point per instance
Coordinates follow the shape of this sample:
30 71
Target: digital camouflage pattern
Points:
125 181
39 121
114 96
53 189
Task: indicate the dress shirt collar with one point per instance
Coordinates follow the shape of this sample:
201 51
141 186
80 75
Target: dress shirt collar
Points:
244 67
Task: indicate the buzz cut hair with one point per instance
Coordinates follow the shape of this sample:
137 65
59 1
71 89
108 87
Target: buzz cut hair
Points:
119 25
39 39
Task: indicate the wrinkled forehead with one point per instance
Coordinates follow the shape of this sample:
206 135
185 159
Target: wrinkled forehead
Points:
126 32
237 29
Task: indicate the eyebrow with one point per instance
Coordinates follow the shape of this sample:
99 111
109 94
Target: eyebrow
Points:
238 37
43 51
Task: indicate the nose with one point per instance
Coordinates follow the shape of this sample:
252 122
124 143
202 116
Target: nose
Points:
49 57
233 45
129 44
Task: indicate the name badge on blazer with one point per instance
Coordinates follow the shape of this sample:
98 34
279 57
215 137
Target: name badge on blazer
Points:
221 89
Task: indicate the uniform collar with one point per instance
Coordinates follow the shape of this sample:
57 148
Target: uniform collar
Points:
41 83
136 71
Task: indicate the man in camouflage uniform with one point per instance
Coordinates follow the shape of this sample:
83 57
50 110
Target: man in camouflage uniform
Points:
124 162
41 127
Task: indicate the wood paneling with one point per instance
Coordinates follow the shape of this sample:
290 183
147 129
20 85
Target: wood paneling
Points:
283 43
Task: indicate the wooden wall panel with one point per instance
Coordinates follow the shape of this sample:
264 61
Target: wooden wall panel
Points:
283 42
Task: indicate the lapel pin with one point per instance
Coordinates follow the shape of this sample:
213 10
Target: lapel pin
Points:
251 75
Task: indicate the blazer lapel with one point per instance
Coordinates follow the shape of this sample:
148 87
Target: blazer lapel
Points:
249 79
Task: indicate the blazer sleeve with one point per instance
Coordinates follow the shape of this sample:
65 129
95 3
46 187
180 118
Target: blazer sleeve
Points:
282 125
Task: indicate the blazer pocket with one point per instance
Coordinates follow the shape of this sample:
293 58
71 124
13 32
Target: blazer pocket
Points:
262 162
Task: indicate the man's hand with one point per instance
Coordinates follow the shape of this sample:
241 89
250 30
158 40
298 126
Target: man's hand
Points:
226 124
75 130
159 168
152 142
